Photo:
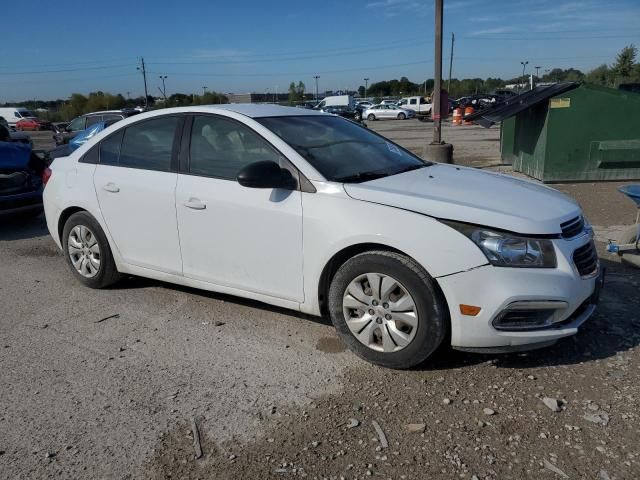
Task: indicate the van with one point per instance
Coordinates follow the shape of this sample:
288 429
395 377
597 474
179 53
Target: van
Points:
336 101
13 114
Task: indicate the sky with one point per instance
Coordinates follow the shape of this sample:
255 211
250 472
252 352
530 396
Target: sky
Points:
59 47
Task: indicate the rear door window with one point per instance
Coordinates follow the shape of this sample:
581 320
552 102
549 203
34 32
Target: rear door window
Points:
110 149
149 144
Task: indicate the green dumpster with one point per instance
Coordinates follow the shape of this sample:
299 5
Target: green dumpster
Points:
585 133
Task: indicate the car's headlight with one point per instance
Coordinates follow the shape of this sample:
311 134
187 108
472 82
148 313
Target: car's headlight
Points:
504 249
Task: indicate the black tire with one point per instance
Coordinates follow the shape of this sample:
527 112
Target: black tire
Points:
107 273
431 308
401 116
357 116
371 117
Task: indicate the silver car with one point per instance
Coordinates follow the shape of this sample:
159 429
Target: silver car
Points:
387 111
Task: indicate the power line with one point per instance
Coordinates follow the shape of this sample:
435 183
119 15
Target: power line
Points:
67 70
356 69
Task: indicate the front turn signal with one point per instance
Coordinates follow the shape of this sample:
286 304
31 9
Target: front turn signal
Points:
470 310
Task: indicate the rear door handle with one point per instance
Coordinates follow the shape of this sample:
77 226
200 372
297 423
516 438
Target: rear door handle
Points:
111 187
195 204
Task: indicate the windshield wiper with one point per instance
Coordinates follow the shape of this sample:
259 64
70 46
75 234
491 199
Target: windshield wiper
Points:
366 176
361 177
412 167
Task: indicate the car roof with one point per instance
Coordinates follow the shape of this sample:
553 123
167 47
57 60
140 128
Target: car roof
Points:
255 110
102 112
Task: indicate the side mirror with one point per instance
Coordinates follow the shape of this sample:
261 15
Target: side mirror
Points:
266 174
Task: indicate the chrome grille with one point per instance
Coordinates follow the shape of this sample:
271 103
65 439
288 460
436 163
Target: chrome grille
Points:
586 259
573 227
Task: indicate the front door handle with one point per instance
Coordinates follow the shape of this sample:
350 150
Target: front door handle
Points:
111 187
195 204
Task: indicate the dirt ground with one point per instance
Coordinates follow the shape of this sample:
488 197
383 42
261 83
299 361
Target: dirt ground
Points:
273 394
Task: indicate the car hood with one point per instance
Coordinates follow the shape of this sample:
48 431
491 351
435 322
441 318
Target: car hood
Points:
472 196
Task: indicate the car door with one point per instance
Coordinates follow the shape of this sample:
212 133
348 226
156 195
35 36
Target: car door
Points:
384 111
230 235
135 183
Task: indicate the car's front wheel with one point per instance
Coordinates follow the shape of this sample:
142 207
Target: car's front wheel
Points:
387 310
401 116
371 117
87 251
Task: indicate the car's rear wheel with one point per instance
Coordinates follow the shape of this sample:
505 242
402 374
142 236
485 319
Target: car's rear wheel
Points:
357 116
87 251
371 117
401 116
387 310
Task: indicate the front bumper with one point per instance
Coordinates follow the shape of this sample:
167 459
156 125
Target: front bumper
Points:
494 289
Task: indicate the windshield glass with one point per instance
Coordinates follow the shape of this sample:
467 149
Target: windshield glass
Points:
341 150
25 113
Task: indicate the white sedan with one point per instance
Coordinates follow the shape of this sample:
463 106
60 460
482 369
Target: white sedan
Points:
378 112
315 213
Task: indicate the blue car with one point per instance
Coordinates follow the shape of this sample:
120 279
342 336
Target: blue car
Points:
78 140
21 180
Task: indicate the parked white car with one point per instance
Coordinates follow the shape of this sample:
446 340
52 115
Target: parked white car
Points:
315 213
380 112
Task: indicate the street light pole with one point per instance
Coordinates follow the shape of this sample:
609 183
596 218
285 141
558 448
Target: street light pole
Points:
366 86
537 72
524 65
316 77
204 91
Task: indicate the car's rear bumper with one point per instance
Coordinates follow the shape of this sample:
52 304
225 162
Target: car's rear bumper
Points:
494 289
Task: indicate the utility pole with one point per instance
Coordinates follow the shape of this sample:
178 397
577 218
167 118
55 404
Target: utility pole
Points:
437 150
524 65
164 88
142 68
204 91
537 72
366 86
450 62
316 77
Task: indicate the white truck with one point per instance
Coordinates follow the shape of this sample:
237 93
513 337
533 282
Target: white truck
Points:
420 105
13 114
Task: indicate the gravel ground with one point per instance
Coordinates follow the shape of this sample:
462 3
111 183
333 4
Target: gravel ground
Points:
273 394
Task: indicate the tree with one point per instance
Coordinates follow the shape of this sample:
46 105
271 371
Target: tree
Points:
296 92
362 91
624 66
600 75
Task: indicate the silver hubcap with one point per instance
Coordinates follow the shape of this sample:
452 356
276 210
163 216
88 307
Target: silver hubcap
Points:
380 312
84 251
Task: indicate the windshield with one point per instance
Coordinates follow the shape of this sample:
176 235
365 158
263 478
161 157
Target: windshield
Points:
24 114
341 150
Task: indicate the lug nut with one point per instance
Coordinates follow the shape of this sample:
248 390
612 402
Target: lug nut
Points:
385 305
378 320
387 316
371 312
374 303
